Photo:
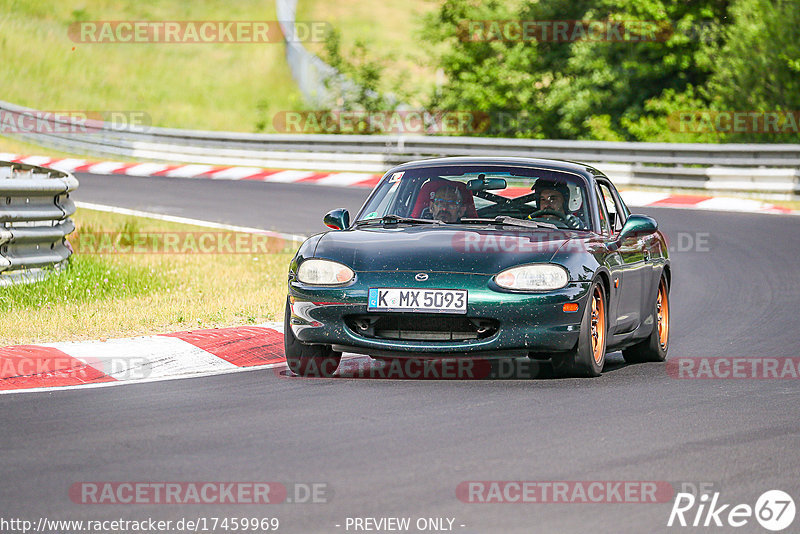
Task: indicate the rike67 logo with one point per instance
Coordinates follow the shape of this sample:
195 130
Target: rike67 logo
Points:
774 510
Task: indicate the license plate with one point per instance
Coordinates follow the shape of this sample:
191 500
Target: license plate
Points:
418 300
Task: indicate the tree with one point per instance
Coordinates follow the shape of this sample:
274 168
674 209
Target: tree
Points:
610 86
582 88
488 72
757 68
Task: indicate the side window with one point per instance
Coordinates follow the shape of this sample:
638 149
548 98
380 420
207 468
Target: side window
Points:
603 212
616 214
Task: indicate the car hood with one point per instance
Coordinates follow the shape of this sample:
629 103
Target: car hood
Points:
435 249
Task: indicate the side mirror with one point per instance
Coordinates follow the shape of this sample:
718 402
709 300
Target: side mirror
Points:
636 225
338 219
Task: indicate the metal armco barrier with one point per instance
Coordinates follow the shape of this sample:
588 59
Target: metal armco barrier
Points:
309 72
748 167
34 221
321 84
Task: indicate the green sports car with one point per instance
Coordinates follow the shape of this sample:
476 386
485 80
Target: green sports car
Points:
478 258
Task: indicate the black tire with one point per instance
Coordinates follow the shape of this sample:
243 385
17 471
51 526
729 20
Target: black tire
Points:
307 360
654 348
589 355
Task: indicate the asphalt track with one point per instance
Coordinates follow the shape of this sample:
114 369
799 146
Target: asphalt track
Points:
393 448
292 208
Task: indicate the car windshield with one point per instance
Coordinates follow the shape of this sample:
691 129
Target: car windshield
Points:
465 194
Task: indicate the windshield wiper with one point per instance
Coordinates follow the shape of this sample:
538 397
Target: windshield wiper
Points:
510 221
395 219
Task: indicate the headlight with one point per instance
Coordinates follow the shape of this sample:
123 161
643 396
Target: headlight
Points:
536 277
324 273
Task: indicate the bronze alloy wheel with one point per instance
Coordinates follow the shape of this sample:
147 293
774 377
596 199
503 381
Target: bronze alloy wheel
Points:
589 355
598 325
662 315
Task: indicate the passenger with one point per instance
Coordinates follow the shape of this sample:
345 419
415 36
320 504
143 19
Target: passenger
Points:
446 205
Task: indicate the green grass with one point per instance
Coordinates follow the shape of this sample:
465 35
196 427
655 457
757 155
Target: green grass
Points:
102 295
85 279
205 86
232 87
392 30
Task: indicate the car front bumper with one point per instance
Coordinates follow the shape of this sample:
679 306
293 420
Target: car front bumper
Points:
526 322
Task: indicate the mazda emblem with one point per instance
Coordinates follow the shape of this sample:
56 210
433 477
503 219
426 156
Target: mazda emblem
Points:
421 277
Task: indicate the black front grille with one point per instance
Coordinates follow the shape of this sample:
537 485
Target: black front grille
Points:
420 327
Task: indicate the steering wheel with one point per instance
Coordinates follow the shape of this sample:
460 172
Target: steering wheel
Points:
543 213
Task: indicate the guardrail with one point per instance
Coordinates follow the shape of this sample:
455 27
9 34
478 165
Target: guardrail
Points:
321 84
764 168
34 221
309 71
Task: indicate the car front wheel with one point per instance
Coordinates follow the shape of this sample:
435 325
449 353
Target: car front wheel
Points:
307 360
589 356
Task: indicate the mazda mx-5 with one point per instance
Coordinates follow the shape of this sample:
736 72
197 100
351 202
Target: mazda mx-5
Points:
481 258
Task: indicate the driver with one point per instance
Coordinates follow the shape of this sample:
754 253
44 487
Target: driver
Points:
553 198
446 205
